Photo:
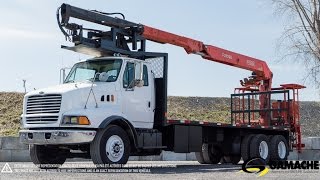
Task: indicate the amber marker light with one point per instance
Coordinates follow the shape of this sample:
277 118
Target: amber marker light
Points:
83 120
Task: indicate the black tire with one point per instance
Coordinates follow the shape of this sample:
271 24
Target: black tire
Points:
235 159
274 154
205 153
98 152
46 157
255 147
200 157
225 160
211 154
245 147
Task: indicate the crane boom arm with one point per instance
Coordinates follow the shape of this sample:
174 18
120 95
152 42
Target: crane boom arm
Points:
124 32
209 52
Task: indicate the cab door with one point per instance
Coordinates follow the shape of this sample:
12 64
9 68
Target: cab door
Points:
137 105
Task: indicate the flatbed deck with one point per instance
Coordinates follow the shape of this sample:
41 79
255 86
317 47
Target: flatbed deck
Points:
213 124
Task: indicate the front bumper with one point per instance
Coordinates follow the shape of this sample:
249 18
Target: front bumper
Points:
56 136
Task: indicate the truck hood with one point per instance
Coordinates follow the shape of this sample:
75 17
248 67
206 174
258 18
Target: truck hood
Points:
77 95
74 95
61 88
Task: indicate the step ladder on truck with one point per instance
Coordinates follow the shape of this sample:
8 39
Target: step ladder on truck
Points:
115 105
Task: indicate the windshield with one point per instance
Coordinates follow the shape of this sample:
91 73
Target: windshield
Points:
85 71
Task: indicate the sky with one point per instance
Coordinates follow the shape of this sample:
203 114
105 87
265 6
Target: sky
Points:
30 42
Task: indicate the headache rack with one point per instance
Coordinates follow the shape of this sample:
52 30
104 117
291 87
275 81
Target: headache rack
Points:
281 109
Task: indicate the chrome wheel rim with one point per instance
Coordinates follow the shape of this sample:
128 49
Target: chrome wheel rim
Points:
263 149
282 150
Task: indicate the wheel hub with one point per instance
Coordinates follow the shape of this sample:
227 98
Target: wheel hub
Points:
263 149
115 148
282 150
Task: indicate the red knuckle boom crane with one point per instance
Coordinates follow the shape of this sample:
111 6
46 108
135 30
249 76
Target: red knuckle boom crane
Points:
252 104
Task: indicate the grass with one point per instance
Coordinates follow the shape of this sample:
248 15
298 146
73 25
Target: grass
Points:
10 111
199 109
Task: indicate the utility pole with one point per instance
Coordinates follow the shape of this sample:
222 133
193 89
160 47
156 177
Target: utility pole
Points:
24 86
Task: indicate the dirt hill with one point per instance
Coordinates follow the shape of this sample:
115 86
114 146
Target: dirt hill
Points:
10 111
192 108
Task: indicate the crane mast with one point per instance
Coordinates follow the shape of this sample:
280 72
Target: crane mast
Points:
129 38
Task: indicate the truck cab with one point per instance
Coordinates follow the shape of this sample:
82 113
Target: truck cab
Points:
95 93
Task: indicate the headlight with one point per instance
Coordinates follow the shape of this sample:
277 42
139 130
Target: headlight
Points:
75 120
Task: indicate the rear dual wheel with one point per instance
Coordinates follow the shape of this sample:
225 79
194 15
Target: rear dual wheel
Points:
245 147
255 146
274 148
259 147
279 149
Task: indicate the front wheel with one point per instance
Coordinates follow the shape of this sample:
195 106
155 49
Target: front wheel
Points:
47 157
110 146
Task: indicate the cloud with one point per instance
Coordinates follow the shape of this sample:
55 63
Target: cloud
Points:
18 33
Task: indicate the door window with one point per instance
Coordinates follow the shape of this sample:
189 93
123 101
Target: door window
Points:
128 76
145 76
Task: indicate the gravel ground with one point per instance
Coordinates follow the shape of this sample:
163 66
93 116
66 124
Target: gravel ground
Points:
148 170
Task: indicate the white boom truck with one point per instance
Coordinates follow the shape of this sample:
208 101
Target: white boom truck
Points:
115 105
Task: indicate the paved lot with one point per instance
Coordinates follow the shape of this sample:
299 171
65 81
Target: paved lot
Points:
145 170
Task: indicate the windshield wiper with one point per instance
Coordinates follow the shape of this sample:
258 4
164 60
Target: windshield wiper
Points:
69 81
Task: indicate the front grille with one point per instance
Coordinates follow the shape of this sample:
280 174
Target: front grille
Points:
42 119
39 104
